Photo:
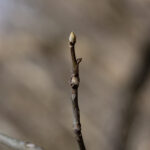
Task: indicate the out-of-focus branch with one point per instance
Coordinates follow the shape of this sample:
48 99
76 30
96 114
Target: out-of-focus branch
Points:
17 144
134 87
74 98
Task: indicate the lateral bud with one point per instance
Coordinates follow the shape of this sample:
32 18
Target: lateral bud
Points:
72 38
74 82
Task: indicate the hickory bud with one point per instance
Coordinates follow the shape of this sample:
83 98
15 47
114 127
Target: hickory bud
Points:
72 38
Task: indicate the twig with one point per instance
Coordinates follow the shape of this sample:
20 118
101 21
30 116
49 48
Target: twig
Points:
74 98
17 144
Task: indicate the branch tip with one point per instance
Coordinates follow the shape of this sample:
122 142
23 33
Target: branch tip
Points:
74 82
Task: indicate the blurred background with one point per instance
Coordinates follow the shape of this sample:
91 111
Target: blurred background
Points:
35 66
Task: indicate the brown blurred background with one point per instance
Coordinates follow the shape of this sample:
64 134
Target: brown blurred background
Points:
113 40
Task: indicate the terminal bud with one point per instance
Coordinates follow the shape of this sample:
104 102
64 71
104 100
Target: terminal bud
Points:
72 38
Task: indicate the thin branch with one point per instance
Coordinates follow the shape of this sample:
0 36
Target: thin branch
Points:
74 98
17 144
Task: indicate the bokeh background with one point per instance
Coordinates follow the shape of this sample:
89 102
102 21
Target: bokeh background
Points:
35 66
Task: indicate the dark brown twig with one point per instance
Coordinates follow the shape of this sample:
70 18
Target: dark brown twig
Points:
74 98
